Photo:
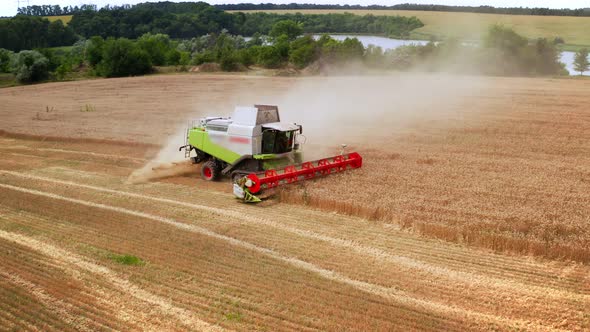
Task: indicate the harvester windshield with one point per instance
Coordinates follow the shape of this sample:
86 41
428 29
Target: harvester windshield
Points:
277 142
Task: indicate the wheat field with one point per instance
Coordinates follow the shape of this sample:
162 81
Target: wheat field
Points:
64 18
471 26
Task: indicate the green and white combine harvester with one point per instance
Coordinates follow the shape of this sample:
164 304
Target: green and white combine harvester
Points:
257 151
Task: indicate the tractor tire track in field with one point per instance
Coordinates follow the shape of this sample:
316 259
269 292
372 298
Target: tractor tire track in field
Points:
57 306
71 259
76 152
385 292
376 253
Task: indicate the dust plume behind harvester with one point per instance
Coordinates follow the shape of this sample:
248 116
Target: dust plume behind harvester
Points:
257 151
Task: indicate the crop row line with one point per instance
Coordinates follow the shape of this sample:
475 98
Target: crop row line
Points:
378 290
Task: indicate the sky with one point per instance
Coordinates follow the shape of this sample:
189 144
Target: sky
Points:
9 7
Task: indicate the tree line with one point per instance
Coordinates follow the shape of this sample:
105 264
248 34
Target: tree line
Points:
29 32
180 21
408 6
116 57
187 20
56 10
287 47
53 10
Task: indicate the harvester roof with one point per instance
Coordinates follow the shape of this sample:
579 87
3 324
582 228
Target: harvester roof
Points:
280 126
257 115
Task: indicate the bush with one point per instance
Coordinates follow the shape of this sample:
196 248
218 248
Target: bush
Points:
5 59
507 53
185 58
158 48
505 40
54 60
173 57
30 66
303 51
121 57
247 56
229 62
269 56
204 57
62 70
349 49
94 50
288 28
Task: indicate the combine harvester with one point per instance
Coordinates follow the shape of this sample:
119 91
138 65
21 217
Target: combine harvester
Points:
257 151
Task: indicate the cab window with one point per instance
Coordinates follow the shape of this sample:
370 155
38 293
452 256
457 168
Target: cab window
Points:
277 141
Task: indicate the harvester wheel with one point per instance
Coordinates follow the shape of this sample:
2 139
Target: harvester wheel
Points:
210 170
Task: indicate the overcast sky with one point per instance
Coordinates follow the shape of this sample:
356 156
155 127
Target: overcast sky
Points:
8 7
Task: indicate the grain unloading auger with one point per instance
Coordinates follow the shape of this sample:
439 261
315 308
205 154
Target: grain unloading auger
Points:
257 151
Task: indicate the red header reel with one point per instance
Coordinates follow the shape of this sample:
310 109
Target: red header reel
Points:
308 170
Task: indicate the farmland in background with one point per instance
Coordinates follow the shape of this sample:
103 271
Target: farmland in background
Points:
471 26
64 18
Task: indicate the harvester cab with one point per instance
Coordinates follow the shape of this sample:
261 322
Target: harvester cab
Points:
256 150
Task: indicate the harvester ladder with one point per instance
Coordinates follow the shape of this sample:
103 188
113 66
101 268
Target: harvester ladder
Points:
187 147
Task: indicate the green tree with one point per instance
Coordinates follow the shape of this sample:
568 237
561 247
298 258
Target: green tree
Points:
546 58
5 59
94 50
349 49
505 40
157 46
269 56
229 62
507 53
303 51
58 34
30 66
121 57
581 63
247 56
289 28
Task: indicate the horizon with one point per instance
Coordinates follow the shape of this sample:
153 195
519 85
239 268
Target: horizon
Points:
10 9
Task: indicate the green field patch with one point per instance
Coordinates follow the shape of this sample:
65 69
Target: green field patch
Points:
101 253
126 259
233 316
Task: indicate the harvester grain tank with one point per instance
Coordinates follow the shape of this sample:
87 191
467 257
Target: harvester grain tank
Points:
256 150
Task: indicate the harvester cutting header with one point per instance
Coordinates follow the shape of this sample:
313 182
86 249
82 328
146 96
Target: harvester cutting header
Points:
257 151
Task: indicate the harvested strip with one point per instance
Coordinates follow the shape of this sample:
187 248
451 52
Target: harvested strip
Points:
55 305
392 294
95 154
122 284
465 277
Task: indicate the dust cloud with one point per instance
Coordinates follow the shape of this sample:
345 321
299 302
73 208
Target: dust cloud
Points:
168 162
361 111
